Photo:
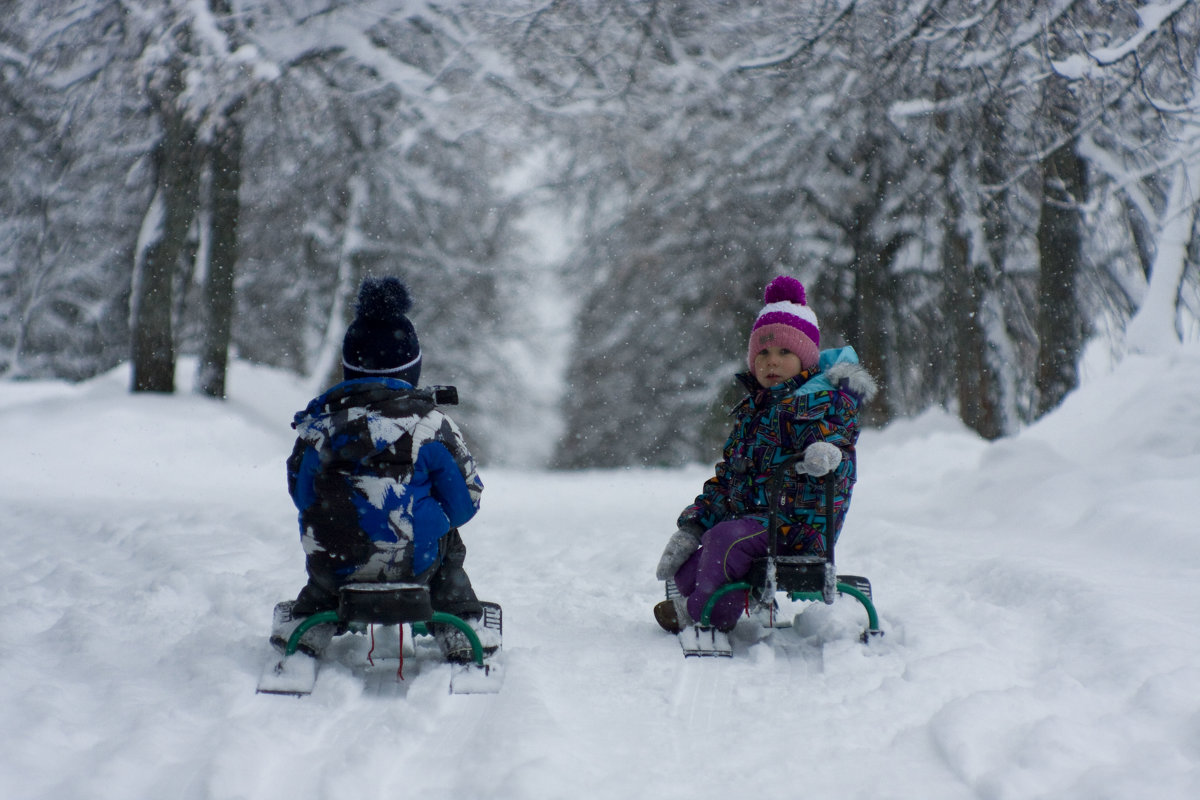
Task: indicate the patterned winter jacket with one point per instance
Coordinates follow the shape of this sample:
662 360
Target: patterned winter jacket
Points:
379 476
775 424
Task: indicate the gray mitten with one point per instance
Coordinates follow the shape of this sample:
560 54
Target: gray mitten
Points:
820 458
682 544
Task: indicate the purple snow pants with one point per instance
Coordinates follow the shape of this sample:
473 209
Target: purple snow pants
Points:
726 552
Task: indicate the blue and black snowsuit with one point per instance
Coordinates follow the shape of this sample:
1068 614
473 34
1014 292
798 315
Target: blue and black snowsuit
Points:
382 480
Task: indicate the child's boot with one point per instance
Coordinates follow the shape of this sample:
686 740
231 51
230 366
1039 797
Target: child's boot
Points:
672 615
456 647
284 624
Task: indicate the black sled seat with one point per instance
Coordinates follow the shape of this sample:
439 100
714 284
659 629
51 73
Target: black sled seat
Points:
802 577
389 604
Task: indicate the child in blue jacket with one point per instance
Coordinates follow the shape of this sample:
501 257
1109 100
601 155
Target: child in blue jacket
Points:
800 401
382 480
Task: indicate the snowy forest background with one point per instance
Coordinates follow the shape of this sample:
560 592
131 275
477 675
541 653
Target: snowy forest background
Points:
587 198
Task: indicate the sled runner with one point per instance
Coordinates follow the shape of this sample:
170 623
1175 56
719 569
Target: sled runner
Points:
363 604
800 577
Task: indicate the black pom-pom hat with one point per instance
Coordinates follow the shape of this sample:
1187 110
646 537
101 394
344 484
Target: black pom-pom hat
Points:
381 341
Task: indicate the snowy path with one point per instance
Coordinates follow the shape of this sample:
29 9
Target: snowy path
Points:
1039 597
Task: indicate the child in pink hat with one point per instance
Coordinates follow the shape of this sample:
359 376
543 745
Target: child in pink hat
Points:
800 401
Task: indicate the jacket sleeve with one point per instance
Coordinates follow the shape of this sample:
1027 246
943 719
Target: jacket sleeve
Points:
454 480
301 470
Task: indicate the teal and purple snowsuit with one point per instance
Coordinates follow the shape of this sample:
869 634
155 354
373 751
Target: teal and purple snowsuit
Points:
772 425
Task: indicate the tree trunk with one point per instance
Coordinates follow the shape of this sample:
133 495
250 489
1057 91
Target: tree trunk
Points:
162 241
327 368
966 283
995 358
1154 328
1060 244
875 297
964 288
223 252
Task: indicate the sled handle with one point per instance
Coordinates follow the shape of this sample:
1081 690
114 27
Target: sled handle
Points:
830 522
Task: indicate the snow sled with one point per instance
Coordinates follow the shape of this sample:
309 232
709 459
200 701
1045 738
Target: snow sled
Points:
364 604
800 577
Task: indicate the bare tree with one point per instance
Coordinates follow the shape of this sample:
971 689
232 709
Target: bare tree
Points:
1061 327
162 243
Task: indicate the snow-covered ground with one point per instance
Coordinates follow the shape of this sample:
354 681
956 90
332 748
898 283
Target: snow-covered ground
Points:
1039 596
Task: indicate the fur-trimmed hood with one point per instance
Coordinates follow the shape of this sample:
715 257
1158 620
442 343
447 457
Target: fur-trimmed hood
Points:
854 378
838 369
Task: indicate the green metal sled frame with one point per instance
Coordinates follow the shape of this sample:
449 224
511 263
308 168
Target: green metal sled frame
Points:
418 628
843 588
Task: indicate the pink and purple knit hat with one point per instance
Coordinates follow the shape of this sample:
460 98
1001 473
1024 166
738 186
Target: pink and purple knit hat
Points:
786 321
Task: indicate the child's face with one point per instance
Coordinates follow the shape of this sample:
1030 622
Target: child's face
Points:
774 365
